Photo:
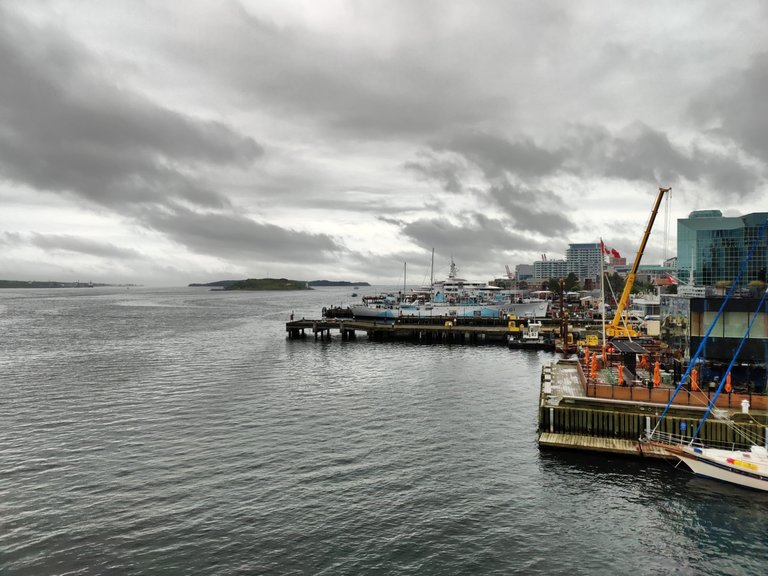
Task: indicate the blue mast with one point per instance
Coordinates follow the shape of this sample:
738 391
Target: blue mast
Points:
703 342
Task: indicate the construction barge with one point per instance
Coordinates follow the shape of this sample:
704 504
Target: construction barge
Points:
581 411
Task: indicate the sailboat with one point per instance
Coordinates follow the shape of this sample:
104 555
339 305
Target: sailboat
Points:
747 468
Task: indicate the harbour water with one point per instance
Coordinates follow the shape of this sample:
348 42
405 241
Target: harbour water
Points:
178 431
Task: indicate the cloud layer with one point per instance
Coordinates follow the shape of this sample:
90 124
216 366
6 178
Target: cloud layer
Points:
337 142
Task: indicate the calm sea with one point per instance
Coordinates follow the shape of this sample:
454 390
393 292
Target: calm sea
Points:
177 431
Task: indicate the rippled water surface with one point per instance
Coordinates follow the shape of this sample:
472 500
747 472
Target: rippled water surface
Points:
179 432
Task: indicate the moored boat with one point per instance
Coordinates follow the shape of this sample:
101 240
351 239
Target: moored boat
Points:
745 468
528 336
452 297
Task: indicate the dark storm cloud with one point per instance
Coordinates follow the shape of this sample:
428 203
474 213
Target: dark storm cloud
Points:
66 126
237 237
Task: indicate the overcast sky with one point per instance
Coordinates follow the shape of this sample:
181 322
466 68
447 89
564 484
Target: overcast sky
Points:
164 143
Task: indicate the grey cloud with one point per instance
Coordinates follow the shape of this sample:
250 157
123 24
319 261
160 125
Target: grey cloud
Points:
636 153
477 238
497 156
238 237
446 171
68 243
647 155
643 154
11 239
65 126
532 210
351 90
736 107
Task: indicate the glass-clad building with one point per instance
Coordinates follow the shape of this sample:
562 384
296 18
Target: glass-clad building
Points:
714 247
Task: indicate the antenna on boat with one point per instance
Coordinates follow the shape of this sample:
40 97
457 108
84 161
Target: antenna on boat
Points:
432 269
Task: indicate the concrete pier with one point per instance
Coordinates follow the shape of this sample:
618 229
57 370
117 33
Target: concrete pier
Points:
438 330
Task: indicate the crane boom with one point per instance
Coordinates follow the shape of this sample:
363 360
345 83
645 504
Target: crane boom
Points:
616 329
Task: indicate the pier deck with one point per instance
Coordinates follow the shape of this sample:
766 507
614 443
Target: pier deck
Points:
572 416
468 330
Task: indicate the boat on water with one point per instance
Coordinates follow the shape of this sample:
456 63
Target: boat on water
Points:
747 468
527 335
454 297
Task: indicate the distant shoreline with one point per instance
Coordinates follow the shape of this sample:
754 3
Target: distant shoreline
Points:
55 284
274 284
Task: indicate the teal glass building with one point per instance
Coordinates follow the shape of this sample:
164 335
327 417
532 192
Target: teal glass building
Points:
715 246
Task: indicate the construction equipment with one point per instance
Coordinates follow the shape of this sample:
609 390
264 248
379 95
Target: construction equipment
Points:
619 327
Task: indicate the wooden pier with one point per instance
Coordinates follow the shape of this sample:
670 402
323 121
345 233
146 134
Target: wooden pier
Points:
570 418
426 330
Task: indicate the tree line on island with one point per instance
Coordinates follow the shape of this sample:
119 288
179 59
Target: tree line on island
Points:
274 284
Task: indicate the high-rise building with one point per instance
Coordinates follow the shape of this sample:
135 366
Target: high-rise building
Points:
524 272
546 269
584 260
714 247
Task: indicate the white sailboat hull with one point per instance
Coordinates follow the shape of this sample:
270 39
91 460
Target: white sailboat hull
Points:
746 469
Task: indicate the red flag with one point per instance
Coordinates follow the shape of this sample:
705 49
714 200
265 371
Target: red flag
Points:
609 251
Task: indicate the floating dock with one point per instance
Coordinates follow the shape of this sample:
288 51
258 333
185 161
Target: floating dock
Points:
574 414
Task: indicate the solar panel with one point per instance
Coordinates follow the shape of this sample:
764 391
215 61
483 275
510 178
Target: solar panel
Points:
627 347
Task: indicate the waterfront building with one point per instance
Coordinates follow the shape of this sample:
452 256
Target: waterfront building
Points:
713 247
583 259
523 272
546 269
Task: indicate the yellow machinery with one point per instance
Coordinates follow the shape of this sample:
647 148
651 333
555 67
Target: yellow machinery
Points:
619 327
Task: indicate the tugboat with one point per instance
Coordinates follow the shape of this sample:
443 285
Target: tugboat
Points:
526 334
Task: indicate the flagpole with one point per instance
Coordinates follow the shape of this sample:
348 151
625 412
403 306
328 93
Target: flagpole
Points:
602 293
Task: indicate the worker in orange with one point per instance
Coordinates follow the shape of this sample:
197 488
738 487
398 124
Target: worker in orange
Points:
621 374
593 367
586 357
656 374
728 387
694 379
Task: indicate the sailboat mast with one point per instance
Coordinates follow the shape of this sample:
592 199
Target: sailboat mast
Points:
405 264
